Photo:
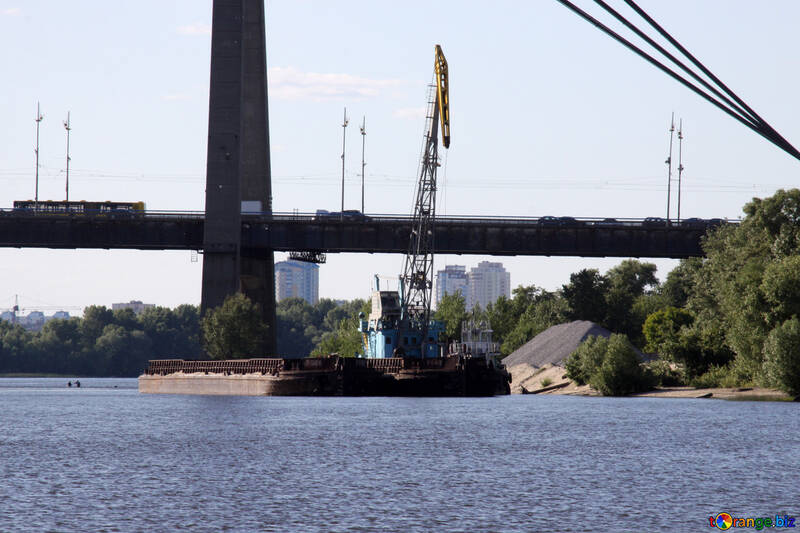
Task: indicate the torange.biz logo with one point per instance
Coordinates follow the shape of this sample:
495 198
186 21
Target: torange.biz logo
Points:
726 521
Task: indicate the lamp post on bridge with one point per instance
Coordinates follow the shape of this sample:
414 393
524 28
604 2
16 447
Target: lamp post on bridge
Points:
680 164
363 164
39 118
669 162
67 127
344 136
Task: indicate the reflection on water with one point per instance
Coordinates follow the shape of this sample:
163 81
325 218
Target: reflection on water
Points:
104 457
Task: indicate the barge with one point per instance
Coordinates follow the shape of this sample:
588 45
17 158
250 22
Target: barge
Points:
397 360
455 375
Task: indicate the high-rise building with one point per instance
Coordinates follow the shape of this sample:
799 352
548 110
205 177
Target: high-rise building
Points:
487 282
451 280
296 279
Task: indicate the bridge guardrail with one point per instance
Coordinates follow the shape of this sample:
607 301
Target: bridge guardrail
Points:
386 217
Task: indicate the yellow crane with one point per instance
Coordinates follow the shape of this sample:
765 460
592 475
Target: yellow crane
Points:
417 279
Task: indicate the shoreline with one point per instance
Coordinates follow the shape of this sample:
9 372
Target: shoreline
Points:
552 380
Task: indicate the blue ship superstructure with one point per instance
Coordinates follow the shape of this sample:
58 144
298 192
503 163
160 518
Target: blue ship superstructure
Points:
387 333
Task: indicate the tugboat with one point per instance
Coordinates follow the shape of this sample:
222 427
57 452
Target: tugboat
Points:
422 365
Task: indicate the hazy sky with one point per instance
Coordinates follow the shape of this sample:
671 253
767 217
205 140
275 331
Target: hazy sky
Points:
549 117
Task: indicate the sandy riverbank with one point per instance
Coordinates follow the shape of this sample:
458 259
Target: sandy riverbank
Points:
552 379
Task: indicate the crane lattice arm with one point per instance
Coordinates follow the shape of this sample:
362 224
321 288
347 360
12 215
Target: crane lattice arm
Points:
417 275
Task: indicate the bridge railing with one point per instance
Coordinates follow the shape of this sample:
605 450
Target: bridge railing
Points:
334 218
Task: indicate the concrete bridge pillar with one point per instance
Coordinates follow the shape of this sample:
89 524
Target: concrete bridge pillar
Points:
238 178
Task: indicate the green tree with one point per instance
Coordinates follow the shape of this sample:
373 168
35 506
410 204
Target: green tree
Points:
16 349
345 340
60 342
160 325
633 276
452 311
609 365
662 331
187 327
781 288
680 282
502 318
621 372
626 284
95 319
746 286
522 297
174 333
585 361
298 326
124 352
585 295
234 330
782 357
125 318
548 310
504 314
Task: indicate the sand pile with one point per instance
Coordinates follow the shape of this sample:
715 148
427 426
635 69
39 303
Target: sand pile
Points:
553 345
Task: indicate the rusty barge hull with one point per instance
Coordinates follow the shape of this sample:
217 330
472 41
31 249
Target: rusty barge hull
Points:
330 376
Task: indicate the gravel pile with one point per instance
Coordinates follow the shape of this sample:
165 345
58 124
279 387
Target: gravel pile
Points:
554 344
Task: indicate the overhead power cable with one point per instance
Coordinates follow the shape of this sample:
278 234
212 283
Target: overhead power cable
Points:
783 143
731 105
751 117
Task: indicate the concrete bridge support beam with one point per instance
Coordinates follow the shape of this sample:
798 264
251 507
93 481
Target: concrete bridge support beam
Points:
238 175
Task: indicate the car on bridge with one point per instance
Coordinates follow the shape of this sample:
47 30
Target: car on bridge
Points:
568 221
694 222
654 221
348 214
607 222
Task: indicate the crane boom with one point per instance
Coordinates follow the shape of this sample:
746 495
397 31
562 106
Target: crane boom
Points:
417 278
443 93
399 324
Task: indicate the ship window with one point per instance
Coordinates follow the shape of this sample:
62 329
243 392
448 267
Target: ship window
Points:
388 340
413 340
405 340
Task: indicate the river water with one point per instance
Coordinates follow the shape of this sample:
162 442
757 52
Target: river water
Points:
106 458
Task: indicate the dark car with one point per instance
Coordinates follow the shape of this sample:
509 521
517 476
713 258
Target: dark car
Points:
654 221
607 222
694 222
567 221
348 214
353 214
548 221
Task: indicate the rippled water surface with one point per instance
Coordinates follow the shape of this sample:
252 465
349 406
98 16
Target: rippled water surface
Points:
106 458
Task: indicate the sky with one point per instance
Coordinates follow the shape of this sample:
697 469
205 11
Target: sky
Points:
549 117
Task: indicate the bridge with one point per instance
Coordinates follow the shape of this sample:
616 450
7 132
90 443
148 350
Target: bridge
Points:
261 234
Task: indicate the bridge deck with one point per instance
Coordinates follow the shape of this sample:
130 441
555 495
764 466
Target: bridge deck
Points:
368 234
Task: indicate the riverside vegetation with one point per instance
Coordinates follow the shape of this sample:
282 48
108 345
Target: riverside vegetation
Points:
731 319
119 343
